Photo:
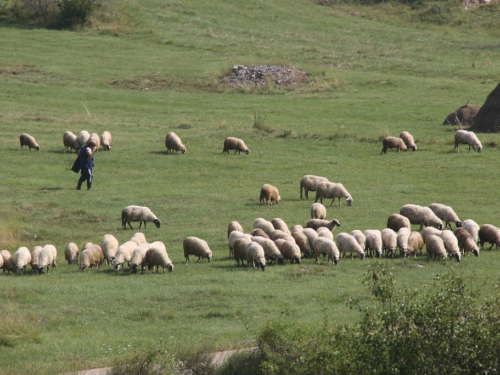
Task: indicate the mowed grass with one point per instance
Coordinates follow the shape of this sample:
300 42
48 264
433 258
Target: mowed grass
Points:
368 79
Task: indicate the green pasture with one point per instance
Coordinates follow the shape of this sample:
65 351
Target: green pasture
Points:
369 77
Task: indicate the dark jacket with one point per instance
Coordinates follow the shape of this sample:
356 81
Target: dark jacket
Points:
83 158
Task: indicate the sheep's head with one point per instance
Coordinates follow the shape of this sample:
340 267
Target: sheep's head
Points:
361 255
183 149
247 151
157 223
170 267
336 260
209 256
475 252
281 260
457 256
262 266
439 226
297 260
479 147
458 224
349 201
133 268
335 223
40 270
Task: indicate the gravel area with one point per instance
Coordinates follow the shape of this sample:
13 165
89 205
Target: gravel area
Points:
263 74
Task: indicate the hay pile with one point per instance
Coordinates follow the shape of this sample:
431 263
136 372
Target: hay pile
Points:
487 119
462 116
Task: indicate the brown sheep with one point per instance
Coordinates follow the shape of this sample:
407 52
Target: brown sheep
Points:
393 142
318 223
232 143
489 233
397 221
269 193
466 242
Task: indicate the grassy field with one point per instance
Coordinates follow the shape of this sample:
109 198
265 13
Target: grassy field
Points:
368 77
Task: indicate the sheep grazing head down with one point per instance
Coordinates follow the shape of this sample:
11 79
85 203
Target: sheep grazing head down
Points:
349 202
262 266
40 270
157 223
170 267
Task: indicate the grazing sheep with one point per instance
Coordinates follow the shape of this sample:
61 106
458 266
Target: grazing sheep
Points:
393 142
82 138
489 233
263 224
7 261
240 250
139 257
346 243
279 244
256 255
21 258
157 256
123 254
232 226
389 241
257 232
430 231
96 140
297 228
71 253
325 233
435 247
473 228
397 221
70 141
233 236
277 234
109 246
374 242
468 138
197 247
271 251
29 141
318 211
291 251
415 242
232 143
408 140
326 247
311 235
445 213
1 260
46 258
403 236
422 216
318 223
269 193
34 257
332 190
106 141
90 257
309 183
360 238
465 242
302 242
174 143
138 213
280 224
138 238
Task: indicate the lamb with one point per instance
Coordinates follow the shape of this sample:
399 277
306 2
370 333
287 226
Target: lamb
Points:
269 193
360 238
389 241
232 143
46 258
70 141
489 233
332 190
90 257
197 247
291 251
29 141
408 140
240 250
123 254
403 237
232 226
421 215
445 213
435 247
309 183
157 256
393 142
318 211
7 261
346 243
256 255
327 248
174 143
34 257
280 224
465 242
138 238
415 242
82 138
71 253
21 258
138 213
468 138
96 140
397 221
325 233
106 141
139 257
374 242
318 223
473 228
257 232
303 242
109 246
271 251
430 231
263 224
233 237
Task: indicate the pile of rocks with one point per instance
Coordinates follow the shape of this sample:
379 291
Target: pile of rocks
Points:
261 75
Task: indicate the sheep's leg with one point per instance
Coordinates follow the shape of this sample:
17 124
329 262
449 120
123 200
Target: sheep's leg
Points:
491 246
128 222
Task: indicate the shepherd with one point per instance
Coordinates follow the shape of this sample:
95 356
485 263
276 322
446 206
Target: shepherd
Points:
86 163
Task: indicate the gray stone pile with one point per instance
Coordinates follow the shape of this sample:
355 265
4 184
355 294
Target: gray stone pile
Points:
263 74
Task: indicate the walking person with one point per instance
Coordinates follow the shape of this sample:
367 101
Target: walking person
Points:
86 162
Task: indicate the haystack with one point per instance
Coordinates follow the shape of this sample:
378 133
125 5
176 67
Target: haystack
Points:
462 116
487 119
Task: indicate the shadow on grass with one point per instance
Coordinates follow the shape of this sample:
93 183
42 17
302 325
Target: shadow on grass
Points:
51 188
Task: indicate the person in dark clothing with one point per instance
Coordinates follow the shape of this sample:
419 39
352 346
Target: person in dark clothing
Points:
86 162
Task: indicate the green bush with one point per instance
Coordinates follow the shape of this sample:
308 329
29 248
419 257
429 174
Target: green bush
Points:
75 12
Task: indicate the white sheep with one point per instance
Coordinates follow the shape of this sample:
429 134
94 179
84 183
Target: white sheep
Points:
430 231
468 138
318 211
139 257
465 242
393 142
408 140
271 251
106 141
123 254
34 257
446 214
233 236
309 183
96 140
82 138
232 143
21 258
397 221
91 256
302 241
325 233
1 260
435 247
157 256
255 255
346 243
269 193
311 235
138 238
422 216
318 223
174 143
389 241
71 253
46 258
263 224
332 190
403 236
327 248
415 243
138 213
374 242
277 234
70 141
240 249
489 233
290 251
28 141
109 246
280 224
7 262
451 244
197 247
360 237
473 228
232 226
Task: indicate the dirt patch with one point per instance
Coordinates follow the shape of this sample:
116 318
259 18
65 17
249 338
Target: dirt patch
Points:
18 70
262 75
